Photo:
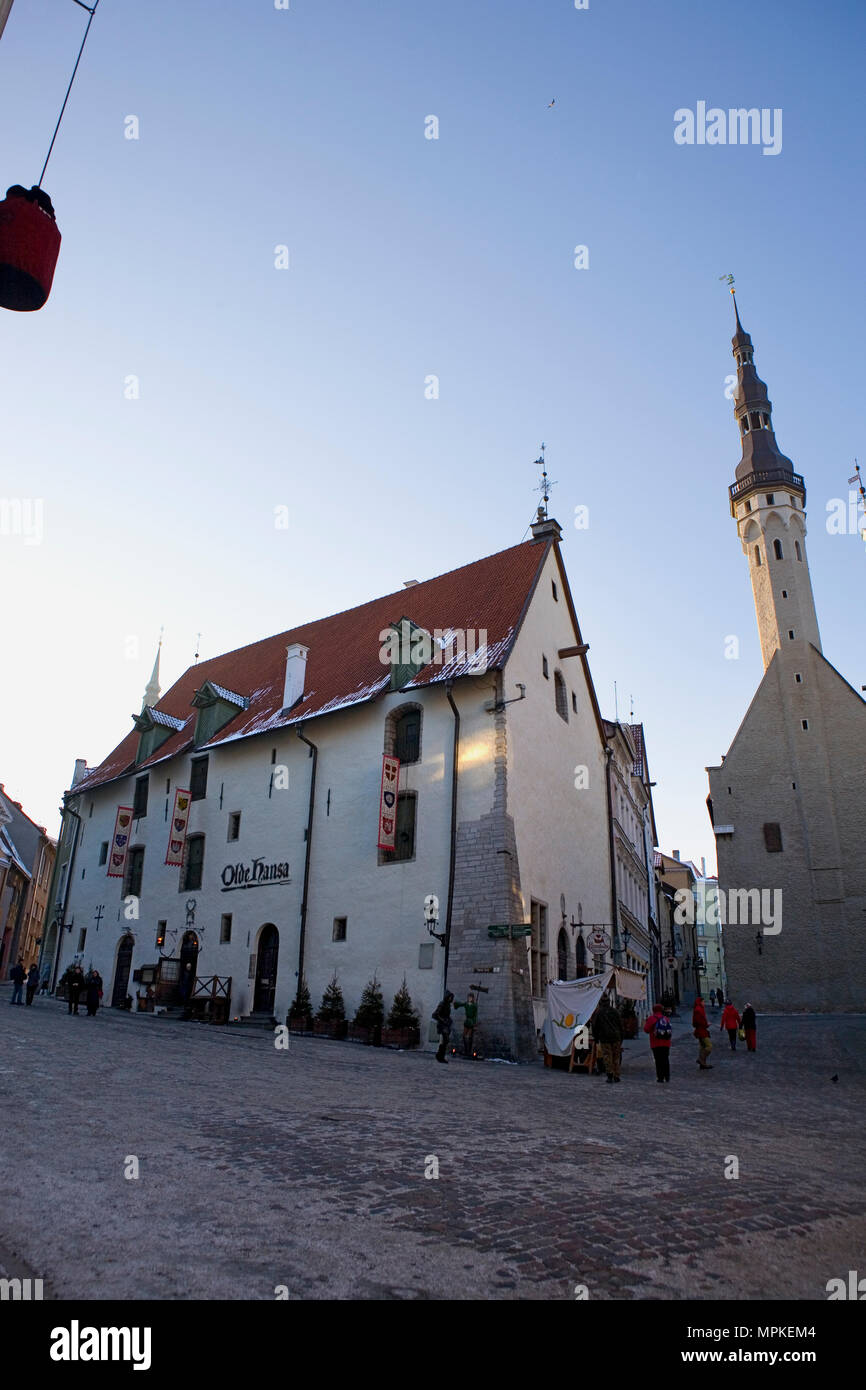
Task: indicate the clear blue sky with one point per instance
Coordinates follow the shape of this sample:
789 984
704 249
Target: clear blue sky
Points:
408 257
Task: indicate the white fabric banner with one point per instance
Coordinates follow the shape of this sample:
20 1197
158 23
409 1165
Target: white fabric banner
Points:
570 1004
630 984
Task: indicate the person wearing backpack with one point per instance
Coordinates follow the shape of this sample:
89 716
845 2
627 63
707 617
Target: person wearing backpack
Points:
658 1025
750 1027
442 1019
702 1033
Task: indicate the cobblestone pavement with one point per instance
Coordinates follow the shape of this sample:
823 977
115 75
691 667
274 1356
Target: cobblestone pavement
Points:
306 1167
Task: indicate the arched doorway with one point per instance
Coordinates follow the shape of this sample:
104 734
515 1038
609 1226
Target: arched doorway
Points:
188 963
121 971
562 954
266 969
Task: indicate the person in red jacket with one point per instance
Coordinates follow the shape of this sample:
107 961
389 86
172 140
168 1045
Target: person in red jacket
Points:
702 1033
731 1021
658 1025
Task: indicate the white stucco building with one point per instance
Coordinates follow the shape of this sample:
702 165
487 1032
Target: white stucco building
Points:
501 810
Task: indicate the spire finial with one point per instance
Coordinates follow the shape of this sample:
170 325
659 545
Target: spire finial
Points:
544 486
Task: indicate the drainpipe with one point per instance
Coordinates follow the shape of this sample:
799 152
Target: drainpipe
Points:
67 811
608 752
453 846
311 809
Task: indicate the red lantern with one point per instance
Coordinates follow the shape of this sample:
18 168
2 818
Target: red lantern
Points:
29 247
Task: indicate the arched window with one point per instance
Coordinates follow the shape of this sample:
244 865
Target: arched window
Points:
560 695
580 958
797 550
403 733
562 954
777 548
757 555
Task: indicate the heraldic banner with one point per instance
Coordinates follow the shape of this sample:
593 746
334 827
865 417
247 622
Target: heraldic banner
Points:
177 829
571 1004
119 843
388 802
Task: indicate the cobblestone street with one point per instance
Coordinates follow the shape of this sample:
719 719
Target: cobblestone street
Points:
306 1167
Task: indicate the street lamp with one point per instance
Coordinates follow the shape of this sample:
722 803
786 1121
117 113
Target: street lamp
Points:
431 917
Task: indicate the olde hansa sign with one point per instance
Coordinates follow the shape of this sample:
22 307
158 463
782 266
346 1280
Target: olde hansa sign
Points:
256 874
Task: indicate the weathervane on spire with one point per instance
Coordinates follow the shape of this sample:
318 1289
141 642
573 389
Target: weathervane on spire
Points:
544 486
729 280
856 478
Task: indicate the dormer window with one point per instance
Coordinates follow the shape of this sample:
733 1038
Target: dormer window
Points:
216 707
154 728
408 648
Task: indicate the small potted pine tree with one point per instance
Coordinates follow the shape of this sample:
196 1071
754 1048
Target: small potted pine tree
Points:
330 1021
404 1026
367 1025
300 1016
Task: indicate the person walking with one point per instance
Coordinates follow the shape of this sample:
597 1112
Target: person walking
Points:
702 1033
93 993
16 975
470 1019
750 1028
658 1025
712 998
74 985
442 1019
730 1021
607 1030
32 982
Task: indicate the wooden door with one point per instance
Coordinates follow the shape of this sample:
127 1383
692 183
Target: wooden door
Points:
266 970
121 972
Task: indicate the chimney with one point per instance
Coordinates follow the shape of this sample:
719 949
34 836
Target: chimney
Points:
410 583
675 853
296 673
545 526
703 866
80 770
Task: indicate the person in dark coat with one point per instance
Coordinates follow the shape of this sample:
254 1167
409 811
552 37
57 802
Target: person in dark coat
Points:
442 1019
16 975
74 986
750 1028
93 993
32 982
608 1032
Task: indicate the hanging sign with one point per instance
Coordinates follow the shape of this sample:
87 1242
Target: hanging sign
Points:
598 942
177 829
388 802
119 843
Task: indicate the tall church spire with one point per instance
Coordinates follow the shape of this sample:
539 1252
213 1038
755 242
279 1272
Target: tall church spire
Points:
151 692
767 502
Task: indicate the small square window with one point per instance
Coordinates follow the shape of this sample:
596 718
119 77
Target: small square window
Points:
339 930
425 956
805 723
103 852
555 594
198 779
139 803
798 678
160 934
82 937
234 825
771 498
544 668
773 837
574 702
791 633
784 593
225 928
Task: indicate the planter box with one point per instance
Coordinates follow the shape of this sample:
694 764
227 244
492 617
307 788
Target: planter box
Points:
334 1028
300 1023
358 1032
401 1037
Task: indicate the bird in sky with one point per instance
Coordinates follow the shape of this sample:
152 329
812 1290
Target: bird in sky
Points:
551 103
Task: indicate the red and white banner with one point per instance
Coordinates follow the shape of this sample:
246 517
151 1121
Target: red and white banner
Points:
388 802
177 829
119 843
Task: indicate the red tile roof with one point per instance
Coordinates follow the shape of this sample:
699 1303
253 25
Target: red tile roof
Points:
344 667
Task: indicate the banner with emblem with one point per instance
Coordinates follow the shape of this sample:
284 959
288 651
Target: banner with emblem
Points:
177 829
388 802
119 843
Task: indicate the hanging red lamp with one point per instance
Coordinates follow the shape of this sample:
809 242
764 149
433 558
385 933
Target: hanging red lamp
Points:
29 247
